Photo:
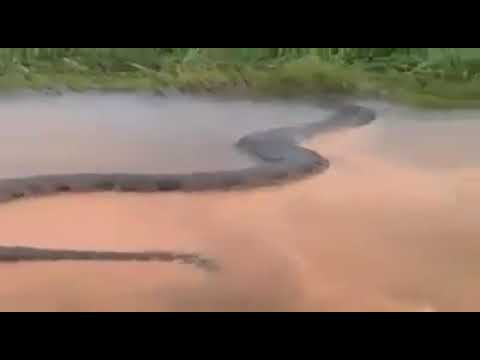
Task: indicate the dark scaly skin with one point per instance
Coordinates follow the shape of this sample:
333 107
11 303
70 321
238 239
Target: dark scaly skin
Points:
20 253
277 152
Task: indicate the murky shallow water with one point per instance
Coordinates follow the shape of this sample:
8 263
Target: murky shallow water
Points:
126 133
393 225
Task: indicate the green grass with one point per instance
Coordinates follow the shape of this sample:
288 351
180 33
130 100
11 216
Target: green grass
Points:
423 77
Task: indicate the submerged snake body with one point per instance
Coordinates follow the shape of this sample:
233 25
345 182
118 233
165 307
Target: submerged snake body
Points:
277 152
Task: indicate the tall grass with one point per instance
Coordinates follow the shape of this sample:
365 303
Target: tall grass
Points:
124 59
405 71
152 55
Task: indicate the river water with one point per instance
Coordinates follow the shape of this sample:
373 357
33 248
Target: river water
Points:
391 226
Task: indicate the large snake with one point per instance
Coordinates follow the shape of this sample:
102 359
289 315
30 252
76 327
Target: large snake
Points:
277 152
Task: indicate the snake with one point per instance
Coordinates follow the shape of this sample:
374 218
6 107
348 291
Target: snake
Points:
278 157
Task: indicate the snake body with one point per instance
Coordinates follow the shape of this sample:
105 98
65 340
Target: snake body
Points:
277 152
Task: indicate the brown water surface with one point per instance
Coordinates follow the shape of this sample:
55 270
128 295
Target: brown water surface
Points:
392 226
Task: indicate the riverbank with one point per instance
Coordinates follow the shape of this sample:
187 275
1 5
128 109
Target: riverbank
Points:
308 76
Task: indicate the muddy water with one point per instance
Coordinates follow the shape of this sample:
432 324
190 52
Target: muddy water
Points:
126 133
392 226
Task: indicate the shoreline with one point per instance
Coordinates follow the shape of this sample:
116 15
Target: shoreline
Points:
290 81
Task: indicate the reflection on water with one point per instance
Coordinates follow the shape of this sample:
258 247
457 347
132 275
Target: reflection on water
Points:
393 225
